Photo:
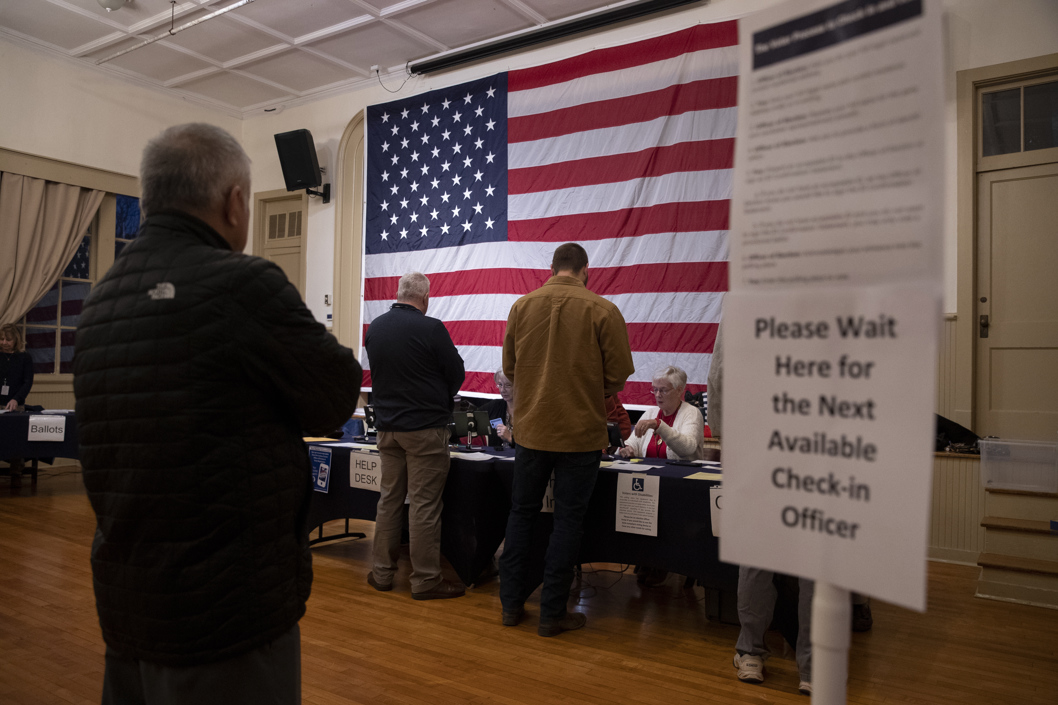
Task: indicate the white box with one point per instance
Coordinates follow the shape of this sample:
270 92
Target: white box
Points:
1030 466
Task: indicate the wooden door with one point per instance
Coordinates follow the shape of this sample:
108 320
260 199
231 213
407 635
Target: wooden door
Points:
1017 310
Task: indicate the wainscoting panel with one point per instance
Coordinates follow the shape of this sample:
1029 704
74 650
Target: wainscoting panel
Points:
956 534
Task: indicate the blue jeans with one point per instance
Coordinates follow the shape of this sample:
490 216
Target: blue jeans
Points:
575 475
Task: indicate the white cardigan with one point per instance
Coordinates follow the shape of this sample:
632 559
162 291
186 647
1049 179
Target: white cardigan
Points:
684 440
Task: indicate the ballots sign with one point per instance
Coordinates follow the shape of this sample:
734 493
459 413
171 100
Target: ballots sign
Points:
47 428
321 468
365 470
828 436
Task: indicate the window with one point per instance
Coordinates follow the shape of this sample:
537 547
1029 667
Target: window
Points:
1020 119
50 326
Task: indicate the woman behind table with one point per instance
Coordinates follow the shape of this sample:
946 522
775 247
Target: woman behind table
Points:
502 408
673 429
16 379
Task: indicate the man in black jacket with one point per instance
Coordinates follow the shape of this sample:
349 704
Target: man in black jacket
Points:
197 371
415 372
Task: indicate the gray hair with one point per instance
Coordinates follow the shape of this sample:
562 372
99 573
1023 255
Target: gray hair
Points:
191 168
498 375
673 375
412 287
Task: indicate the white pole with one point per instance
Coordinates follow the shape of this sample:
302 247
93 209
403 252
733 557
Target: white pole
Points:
831 635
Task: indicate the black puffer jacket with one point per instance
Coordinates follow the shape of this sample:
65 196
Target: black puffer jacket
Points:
196 372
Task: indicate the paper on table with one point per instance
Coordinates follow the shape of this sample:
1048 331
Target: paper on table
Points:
629 465
351 444
472 456
704 476
57 411
314 439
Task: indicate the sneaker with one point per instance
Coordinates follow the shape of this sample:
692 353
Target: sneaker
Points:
862 621
512 618
805 688
442 591
381 587
572 620
750 668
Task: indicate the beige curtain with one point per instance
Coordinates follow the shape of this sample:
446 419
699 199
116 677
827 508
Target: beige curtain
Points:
41 225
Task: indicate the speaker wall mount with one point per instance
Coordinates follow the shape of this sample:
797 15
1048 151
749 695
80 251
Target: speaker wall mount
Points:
301 168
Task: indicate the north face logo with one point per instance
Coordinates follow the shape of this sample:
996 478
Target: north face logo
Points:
162 290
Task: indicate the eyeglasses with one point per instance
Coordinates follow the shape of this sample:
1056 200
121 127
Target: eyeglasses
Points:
658 390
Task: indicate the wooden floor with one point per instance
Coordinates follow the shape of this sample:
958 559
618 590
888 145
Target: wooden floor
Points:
640 646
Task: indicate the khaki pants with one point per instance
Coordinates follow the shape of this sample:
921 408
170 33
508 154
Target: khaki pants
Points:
414 464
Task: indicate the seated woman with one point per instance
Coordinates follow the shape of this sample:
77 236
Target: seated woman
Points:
673 429
501 408
16 379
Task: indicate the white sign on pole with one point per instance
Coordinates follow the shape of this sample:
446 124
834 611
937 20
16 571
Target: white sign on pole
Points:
831 322
47 428
637 503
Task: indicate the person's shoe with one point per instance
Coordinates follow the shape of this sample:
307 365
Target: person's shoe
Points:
512 618
750 668
805 688
381 587
442 591
862 621
572 620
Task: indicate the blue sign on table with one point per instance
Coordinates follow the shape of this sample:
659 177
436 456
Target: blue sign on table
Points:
321 468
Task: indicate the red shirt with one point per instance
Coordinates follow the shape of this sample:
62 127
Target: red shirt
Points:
656 448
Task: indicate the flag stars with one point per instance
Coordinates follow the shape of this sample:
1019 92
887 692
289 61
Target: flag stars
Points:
403 233
467 129
455 212
456 179
489 190
385 146
384 205
490 124
490 92
404 143
394 159
445 165
433 214
425 108
414 217
466 162
477 175
404 203
425 138
489 157
393 220
385 176
422 231
414 185
456 115
466 226
477 208
415 126
395 130
446 103
466 194
385 117
444 229
403 173
404 114
424 200
456 148
385 235
445 135
435 121
425 169
478 143
478 111
444 197
393 189
489 223
415 156
467 98
435 152
435 183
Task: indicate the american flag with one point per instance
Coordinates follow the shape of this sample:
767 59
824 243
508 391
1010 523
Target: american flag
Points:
626 150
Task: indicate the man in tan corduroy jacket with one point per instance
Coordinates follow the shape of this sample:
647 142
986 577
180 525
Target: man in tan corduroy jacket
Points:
565 349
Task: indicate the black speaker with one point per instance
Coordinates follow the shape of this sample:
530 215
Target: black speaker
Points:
297 156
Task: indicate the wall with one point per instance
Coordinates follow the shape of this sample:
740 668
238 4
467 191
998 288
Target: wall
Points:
55 108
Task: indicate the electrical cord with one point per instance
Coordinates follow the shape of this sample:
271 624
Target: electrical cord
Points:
379 77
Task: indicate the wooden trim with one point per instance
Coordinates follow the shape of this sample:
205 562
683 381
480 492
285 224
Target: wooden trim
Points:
1018 564
348 236
260 224
1023 493
1030 526
68 173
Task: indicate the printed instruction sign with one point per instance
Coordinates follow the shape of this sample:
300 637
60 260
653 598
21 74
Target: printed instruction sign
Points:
365 470
321 468
47 428
637 503
831 322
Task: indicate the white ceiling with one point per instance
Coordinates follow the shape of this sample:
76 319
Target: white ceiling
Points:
271 52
